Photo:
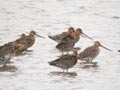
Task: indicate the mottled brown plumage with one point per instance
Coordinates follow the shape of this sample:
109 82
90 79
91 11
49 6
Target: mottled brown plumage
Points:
66 44
7 51
66 61
91 52
25 42
60 37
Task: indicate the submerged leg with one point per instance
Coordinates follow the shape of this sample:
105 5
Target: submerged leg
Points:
66 70
91 61
62 53
67 52
87 61
4 64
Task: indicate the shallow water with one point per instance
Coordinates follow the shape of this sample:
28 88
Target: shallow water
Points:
99 19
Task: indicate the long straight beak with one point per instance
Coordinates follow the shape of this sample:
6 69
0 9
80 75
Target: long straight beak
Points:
84 35
39 36
106 48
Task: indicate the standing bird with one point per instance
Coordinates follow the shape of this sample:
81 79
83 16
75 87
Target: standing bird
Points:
7 51
91 52
65 62
30 39
68 43
25 42
59 37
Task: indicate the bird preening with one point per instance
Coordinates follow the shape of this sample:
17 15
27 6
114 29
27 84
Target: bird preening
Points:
65 43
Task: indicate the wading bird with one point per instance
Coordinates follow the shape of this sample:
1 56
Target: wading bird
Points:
25 41
68 43
91 52
66 61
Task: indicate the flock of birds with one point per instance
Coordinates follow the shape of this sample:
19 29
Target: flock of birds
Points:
65 43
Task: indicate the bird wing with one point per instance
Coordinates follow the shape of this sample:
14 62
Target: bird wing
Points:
58 37
66 42
63 61
89 52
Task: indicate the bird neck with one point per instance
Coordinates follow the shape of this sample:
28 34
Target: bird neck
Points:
33 38
95 46
77 36
68 33
23 38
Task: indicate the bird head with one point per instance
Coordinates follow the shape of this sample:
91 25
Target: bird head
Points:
33 33
80 32
98 44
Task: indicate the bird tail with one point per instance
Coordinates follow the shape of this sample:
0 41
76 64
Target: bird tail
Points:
52 63
60 45
51 37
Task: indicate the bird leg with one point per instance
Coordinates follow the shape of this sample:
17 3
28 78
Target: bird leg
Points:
62 53
67 52
4 64
90 61
87 60
66 70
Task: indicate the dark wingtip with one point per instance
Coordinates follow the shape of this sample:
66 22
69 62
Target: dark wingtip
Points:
51 63
59 45
50 37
